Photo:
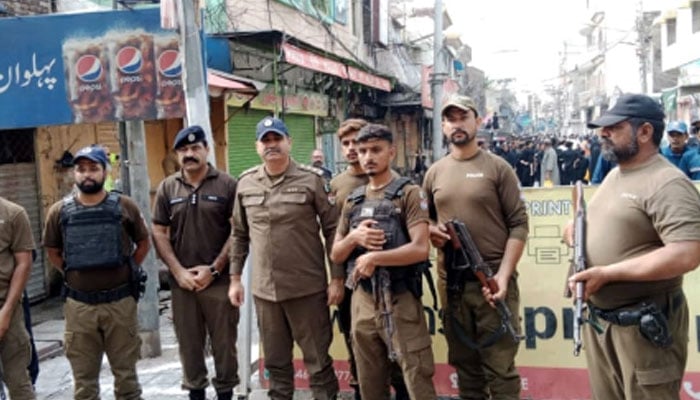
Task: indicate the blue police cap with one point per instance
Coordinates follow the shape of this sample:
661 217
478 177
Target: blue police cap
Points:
270 124
93 153
677 126
191 134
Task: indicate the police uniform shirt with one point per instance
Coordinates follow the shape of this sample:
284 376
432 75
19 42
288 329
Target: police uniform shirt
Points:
344 183
199 218
15 236
133 230
280 219
634 212
482 192
413 206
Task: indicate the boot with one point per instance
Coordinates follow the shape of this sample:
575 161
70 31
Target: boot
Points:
224 395
197 394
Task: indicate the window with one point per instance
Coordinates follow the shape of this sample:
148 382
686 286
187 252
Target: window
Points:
17 146
670 31
696 16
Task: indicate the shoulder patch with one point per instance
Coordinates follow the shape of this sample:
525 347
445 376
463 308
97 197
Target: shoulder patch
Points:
249 171
309 168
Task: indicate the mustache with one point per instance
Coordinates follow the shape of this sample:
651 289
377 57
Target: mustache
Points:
272 150
458 130
188 159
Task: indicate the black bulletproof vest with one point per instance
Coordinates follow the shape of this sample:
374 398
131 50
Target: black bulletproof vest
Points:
388 217
92 235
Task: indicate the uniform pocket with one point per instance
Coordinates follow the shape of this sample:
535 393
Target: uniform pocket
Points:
657 376
294 198
253 199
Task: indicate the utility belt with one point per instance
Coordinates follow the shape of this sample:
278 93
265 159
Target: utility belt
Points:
648 316
98 297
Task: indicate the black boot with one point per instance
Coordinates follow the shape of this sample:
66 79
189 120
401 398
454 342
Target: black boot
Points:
224 395
197 394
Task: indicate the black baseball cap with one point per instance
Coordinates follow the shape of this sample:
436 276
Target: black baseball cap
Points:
630 105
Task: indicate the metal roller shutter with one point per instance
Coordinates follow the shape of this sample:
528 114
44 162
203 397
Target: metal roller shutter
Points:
241 139
18 183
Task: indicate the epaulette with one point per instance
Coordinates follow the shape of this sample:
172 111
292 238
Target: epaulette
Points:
310 168
249 171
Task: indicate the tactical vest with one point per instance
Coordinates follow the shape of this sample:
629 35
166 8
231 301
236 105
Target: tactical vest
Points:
388 217
92 235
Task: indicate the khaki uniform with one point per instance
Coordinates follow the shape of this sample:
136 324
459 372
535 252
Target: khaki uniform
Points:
410 340
484 194
341 186
626 220
199 222
106 328
280 219
15 347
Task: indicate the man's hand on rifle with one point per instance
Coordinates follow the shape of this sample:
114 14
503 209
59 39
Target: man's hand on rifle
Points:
438 235
594 279
368 237
502 282
364 267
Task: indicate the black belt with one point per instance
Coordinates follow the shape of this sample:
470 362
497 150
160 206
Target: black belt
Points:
98 297
632 315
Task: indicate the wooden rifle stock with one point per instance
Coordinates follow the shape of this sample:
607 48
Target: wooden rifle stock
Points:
463 243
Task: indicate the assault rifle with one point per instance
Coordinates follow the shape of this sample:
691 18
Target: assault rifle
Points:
578 262
463 245
381 288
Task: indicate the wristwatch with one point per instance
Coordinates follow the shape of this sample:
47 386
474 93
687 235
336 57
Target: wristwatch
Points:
214 272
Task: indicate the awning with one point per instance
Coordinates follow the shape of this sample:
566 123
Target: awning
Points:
315 62
220 82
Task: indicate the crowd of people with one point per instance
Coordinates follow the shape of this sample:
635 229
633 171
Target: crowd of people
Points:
361 242
545 161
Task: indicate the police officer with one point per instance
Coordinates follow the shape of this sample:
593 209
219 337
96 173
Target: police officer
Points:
481 190
191 231
642 236
95 239
16 245
341 186
385 225
280 207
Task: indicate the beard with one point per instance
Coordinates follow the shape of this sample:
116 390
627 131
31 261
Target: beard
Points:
620 154
89 186
461 141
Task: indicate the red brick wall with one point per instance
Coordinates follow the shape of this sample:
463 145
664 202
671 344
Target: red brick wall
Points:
27 7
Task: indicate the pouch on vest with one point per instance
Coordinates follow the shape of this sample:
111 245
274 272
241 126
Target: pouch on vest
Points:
92 235
388 217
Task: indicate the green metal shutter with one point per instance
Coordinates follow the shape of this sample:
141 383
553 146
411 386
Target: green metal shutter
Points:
241 139
301 128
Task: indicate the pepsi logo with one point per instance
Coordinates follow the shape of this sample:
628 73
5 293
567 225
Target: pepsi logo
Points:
129 60
170 64
88 68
